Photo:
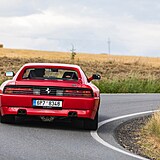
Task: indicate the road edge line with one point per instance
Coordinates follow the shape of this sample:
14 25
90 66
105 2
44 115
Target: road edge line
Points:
95 135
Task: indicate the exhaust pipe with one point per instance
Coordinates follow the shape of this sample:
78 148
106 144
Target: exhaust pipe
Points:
72 114
22 112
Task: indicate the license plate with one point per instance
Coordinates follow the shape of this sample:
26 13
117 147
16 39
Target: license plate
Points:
47 103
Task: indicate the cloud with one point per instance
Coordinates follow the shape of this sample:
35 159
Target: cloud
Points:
16 8
86 24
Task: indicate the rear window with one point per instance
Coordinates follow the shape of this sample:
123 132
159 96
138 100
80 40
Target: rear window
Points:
50 74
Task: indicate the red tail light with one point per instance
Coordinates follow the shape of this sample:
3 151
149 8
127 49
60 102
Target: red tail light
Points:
78 93
9 90
23 90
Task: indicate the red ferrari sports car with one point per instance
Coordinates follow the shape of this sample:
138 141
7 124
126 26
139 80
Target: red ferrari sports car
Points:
50 91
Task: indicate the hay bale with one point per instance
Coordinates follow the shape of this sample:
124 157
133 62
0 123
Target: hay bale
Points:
1 45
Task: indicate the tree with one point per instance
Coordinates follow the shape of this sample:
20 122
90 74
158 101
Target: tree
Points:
73 53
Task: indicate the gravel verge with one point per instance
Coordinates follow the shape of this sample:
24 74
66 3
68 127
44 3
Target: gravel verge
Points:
127 135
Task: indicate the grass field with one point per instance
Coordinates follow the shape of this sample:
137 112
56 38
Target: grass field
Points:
119 73
150 137
19 53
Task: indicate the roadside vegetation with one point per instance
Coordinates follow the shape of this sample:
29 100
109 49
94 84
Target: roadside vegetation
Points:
129 85
120 74
150 137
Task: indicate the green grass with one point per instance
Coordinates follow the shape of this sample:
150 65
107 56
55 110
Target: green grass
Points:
129 85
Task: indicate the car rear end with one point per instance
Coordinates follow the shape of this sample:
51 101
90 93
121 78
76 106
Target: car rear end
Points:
49 100
55 94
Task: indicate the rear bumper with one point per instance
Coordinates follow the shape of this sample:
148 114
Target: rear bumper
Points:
48 112
84 107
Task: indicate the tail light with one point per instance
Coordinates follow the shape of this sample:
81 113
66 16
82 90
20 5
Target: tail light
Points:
10 90
68 92
78 93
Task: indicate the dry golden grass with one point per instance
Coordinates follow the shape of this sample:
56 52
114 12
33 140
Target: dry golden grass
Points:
151 147
153 126
109 66
19 53
150 137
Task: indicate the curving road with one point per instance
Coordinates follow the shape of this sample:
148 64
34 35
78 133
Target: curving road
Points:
62 141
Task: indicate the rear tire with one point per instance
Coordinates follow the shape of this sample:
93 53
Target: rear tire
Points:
90 124
10 119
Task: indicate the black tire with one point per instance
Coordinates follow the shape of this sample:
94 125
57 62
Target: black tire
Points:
90 124
10 119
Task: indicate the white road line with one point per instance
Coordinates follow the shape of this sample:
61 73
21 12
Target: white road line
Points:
95 135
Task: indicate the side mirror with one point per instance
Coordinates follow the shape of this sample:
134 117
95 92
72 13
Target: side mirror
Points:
94 77
9 74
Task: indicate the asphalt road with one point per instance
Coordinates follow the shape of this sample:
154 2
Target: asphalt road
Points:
62 141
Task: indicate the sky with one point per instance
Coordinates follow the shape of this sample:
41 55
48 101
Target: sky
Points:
127 27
